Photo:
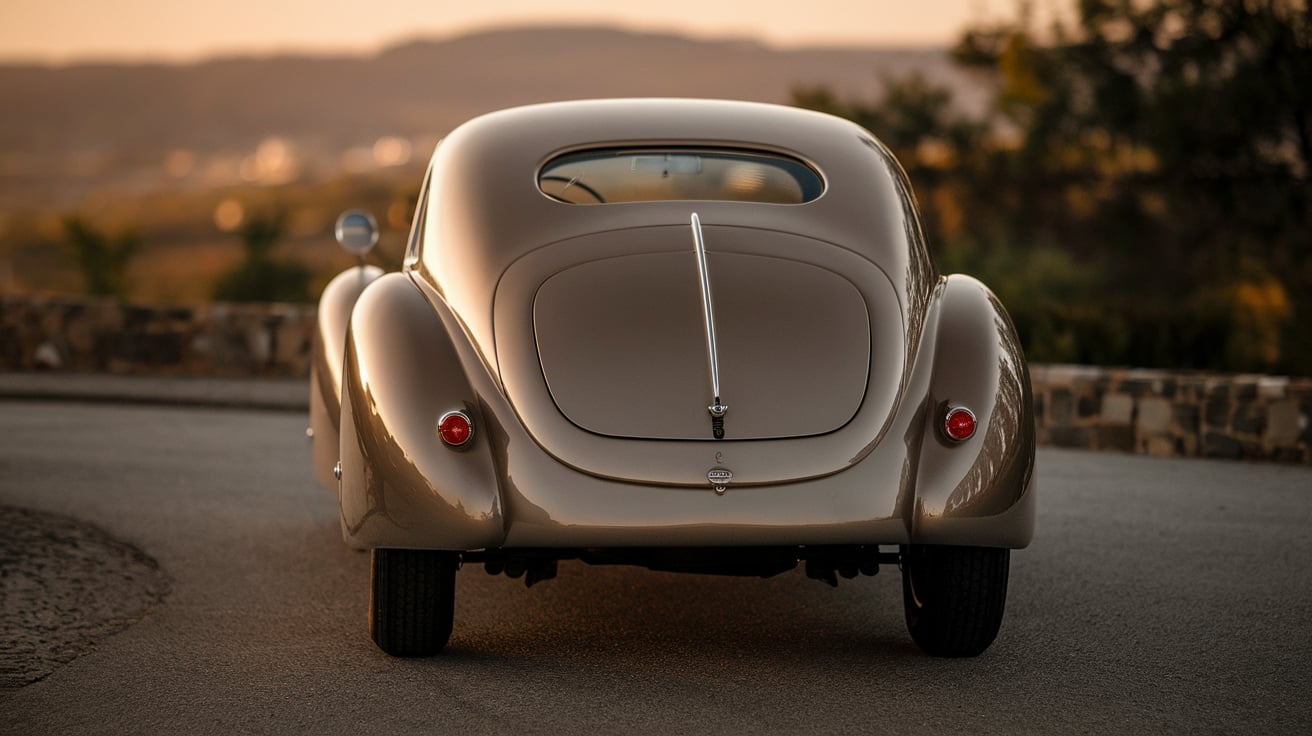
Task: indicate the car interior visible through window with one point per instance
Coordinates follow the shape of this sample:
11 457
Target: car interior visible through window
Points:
661 174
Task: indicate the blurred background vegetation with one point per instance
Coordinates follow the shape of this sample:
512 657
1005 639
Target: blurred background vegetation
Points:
251 242
1136 189
1139 193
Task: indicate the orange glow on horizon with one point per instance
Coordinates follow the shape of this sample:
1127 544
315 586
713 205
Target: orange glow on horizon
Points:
62 31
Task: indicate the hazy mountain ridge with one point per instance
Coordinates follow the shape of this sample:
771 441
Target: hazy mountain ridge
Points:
85 122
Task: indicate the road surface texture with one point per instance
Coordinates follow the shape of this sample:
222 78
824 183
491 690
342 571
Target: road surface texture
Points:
1160 596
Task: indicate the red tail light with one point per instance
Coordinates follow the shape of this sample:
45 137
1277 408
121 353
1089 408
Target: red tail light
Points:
455 428
959 424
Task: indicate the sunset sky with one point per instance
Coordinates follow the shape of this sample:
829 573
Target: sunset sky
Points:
181 30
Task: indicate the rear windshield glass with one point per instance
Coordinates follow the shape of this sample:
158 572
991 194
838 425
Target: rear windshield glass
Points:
656 174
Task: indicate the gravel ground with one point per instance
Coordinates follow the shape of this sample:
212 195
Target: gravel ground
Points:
64 585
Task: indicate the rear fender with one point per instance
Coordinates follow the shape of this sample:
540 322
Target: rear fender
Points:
401 486
979 491
333 318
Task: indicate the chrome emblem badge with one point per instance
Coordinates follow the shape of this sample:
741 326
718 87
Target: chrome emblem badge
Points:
719 478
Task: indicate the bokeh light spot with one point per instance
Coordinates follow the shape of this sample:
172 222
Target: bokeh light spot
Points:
229 215
391 151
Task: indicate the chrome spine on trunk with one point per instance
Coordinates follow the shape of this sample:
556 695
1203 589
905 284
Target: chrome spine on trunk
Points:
717 408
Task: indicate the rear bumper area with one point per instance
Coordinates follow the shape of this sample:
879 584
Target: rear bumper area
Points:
539 502
402 489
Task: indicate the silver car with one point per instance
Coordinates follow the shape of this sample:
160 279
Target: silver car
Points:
688 335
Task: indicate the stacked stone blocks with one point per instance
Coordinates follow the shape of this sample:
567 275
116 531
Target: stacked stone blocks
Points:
103 336
1165 413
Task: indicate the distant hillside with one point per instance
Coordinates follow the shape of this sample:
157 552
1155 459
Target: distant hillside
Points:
67 130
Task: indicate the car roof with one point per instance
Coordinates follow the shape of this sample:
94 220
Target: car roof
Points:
559 126
484 189
485 210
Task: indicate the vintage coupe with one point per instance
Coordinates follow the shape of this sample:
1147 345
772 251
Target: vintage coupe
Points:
689 335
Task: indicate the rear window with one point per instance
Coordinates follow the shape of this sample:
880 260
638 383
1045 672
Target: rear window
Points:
659 174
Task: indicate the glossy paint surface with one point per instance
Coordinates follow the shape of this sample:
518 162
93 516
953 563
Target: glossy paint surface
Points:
572 338
400 482
333 318
624 355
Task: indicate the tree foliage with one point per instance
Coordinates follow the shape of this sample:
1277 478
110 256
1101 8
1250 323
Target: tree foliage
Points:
102 259
1140 193
260 277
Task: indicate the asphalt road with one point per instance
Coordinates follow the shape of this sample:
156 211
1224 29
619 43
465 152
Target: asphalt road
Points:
1159 596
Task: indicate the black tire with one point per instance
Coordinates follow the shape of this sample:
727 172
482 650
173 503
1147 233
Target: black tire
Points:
412 600
954 597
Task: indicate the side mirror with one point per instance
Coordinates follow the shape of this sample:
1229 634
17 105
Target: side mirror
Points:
356 231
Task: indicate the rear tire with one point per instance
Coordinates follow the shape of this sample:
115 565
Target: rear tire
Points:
954 597
412 600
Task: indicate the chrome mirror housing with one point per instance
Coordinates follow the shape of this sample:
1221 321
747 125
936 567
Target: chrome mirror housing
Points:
356 232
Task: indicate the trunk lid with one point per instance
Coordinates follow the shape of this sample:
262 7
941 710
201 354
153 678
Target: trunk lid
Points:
623 348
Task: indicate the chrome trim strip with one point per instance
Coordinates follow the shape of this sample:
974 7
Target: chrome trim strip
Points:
708 311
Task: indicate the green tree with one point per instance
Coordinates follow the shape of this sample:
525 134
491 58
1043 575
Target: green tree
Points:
1165 148
102 259
260 277
1191 121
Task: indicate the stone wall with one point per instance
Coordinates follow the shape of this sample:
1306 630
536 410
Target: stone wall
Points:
102 336
1144 411
1165 413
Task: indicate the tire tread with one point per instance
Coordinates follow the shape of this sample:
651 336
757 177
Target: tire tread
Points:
411 602
954 597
